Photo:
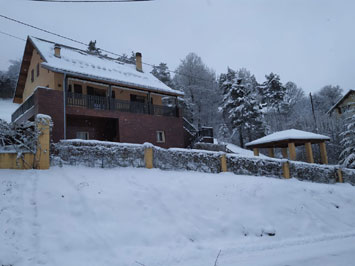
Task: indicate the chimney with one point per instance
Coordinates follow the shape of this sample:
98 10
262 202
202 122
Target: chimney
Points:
139 62
57 50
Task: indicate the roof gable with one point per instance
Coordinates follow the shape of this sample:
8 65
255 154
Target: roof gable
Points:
341 100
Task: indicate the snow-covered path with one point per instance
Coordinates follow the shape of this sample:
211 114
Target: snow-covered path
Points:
126 216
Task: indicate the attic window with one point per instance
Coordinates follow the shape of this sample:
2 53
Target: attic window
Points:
32 75
37 70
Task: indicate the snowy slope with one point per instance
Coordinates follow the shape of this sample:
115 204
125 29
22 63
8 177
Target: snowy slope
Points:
243 152
125 216
7 107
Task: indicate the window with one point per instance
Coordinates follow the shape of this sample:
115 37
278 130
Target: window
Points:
82 135
32 75
113 95
37 70
78 89
160 136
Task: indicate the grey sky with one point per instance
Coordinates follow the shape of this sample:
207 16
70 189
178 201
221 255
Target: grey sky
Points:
310 42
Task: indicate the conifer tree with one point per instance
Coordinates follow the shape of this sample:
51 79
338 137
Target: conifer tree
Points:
92 48
162 73
347 156
272 92
239 105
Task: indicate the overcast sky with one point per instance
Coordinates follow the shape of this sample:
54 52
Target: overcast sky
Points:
310 42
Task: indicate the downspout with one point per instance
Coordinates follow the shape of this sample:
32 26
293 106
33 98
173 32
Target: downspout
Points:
65 105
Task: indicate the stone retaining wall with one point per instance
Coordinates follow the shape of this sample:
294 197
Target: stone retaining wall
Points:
109 154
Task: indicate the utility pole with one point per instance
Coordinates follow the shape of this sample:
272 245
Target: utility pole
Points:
314 115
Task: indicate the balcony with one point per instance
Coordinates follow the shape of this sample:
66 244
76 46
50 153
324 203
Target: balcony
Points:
25 106
106 103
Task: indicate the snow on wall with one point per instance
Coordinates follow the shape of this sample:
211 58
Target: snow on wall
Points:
177 159
349 176
313 172
254 166
97 154
109 154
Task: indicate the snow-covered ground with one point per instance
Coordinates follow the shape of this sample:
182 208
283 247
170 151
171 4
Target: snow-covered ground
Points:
7 107
126 216
243 152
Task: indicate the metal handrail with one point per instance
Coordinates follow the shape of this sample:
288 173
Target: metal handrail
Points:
26 105
107 103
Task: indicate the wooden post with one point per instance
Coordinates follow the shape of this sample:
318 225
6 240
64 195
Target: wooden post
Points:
42 153
148 157
271 152
292 149
223 163
323 153
340 176
286 170
309 152
256 151
284 153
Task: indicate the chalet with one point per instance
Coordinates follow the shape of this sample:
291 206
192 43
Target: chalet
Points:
345 105
93 96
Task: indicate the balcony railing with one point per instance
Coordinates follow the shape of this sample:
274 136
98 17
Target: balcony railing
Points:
25 106
106 103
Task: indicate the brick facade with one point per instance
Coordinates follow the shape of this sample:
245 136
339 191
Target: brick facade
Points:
107 125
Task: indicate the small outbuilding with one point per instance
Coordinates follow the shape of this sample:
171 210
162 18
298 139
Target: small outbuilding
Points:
287 140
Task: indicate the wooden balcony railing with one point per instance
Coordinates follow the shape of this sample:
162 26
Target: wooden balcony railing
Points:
106 103
25 106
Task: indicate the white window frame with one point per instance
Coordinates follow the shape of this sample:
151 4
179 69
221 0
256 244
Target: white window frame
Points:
82 135
160 136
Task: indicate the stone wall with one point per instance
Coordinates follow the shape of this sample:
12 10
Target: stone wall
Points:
97 154
109 154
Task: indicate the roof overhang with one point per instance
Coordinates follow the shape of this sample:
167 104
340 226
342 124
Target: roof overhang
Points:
284 143
340 101
111 82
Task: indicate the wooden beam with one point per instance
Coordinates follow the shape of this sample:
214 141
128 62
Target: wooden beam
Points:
271 152
284 153
292 149
256 151
340 176
286 170
309 152
223 163
323 153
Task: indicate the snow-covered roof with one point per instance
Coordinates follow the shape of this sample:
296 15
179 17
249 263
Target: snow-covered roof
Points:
340 100
81 63
285 135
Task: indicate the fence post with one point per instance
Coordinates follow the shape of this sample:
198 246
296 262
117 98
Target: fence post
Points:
223 163
340 175
286 170
42 152
148 156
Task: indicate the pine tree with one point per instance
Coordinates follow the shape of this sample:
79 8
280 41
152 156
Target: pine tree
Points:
239 105
347 156
92 48
272 92
124 58
162 73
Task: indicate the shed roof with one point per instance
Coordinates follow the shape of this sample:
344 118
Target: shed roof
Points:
282 138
